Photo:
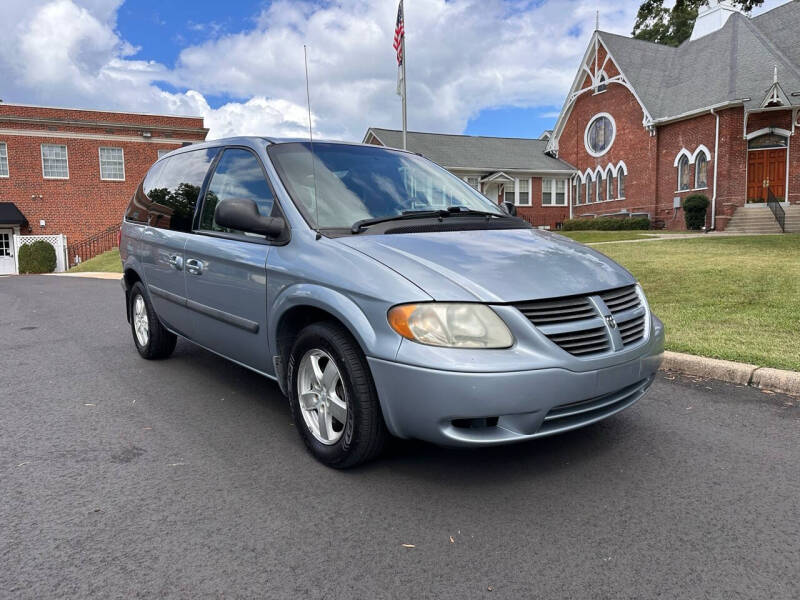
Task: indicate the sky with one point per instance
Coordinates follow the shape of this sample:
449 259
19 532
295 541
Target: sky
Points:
480 67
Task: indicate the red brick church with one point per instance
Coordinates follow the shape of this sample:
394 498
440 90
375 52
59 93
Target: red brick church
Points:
645 125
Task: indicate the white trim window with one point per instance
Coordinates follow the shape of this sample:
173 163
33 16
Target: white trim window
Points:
554 192
3 159
55 163
601 188
610 187
621 175
577 190
599 134
112 164
589 186
701 172
683 173
524 197
474 182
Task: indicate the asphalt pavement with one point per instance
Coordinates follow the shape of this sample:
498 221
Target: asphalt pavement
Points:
185 478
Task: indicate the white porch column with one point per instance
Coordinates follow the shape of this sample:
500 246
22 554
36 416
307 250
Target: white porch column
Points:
530 191
516 191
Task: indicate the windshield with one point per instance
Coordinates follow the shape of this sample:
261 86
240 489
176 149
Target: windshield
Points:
363 182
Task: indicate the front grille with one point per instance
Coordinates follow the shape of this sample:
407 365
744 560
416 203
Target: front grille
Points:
561 310
632 331
577 325
621 299
576 414
583 342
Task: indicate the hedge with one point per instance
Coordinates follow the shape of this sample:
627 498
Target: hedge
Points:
37 257
607 224
694 211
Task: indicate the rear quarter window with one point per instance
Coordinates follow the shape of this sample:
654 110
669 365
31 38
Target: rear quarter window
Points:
168 196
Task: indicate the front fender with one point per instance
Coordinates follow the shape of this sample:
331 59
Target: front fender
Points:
375 340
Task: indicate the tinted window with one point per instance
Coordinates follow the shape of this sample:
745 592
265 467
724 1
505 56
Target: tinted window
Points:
238 175
168 196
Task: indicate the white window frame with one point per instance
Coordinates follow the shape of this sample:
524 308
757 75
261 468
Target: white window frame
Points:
66 158
697 172
549 188
602 80
589 198
622 169
518 192
679 161
589 126
4 157
100 158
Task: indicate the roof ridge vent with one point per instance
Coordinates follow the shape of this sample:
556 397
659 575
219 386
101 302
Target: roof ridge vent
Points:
712 17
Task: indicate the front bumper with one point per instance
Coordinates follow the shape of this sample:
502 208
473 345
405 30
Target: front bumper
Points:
454 408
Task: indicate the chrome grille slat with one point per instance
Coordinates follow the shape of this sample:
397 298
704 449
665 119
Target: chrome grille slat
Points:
575 324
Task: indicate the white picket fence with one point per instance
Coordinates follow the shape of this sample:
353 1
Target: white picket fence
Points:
59 242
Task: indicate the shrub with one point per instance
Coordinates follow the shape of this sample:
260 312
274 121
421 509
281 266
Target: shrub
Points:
607 224
37 257
694 211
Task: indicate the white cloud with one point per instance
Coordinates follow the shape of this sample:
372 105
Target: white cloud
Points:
463 56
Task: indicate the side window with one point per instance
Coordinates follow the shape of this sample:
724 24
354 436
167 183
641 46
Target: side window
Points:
168 196
238 175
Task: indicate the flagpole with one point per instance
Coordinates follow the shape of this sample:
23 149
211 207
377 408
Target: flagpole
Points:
403 66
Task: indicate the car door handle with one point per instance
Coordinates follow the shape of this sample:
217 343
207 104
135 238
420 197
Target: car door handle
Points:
176 262
194 266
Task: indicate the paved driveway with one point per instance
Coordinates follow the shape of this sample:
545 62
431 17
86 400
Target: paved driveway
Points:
185 478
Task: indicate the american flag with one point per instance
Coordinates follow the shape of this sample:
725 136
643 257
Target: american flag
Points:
399 34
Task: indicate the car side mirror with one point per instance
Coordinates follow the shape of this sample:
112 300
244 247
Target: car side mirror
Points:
510 208
242 214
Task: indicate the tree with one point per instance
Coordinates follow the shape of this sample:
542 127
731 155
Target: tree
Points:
657 23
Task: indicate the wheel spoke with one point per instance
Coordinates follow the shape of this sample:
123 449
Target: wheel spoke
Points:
316 370
337 408
330 377
309 400
322 422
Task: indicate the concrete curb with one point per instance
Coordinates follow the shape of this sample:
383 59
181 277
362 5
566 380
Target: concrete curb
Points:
776 380
90 274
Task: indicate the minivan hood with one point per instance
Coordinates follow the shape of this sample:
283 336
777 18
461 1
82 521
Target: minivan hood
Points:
493 265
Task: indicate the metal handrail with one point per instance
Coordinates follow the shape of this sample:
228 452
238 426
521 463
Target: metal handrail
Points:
777 210
94 245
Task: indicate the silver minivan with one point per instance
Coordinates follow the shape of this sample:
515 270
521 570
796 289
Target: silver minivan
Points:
383 294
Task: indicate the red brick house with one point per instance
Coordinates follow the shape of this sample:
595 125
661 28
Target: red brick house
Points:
512 169
646 125
72 172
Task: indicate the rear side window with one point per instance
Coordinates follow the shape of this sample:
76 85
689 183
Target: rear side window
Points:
238 175
168 195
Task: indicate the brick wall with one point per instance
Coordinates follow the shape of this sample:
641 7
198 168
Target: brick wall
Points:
83 204
633 144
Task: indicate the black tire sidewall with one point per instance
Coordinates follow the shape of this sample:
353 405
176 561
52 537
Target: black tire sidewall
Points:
322 336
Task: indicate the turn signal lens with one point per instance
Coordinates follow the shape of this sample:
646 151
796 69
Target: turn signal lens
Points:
450 325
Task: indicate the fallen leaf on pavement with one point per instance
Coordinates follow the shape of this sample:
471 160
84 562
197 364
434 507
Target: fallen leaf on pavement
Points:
452 541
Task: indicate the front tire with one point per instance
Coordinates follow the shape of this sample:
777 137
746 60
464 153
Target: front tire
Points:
332 396
152 340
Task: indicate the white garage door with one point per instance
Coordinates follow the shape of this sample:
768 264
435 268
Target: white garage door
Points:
6 249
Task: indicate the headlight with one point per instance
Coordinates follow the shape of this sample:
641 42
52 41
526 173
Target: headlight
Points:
451 325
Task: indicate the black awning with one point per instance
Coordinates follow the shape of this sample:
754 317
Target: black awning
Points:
11 215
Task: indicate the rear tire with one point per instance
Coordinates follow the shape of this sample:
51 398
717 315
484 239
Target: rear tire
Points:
332 397
152 339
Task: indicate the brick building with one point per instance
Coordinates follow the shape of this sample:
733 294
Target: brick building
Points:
504 169
72 172
646 125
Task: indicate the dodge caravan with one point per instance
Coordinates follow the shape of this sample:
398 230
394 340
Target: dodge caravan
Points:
383 294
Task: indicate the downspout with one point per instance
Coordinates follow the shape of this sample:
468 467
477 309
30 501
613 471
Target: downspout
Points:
716 162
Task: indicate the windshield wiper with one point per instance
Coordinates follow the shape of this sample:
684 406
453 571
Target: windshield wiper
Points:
359 226
451 211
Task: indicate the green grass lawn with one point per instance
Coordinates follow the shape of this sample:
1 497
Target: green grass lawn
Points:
587 237
736 298
107 262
